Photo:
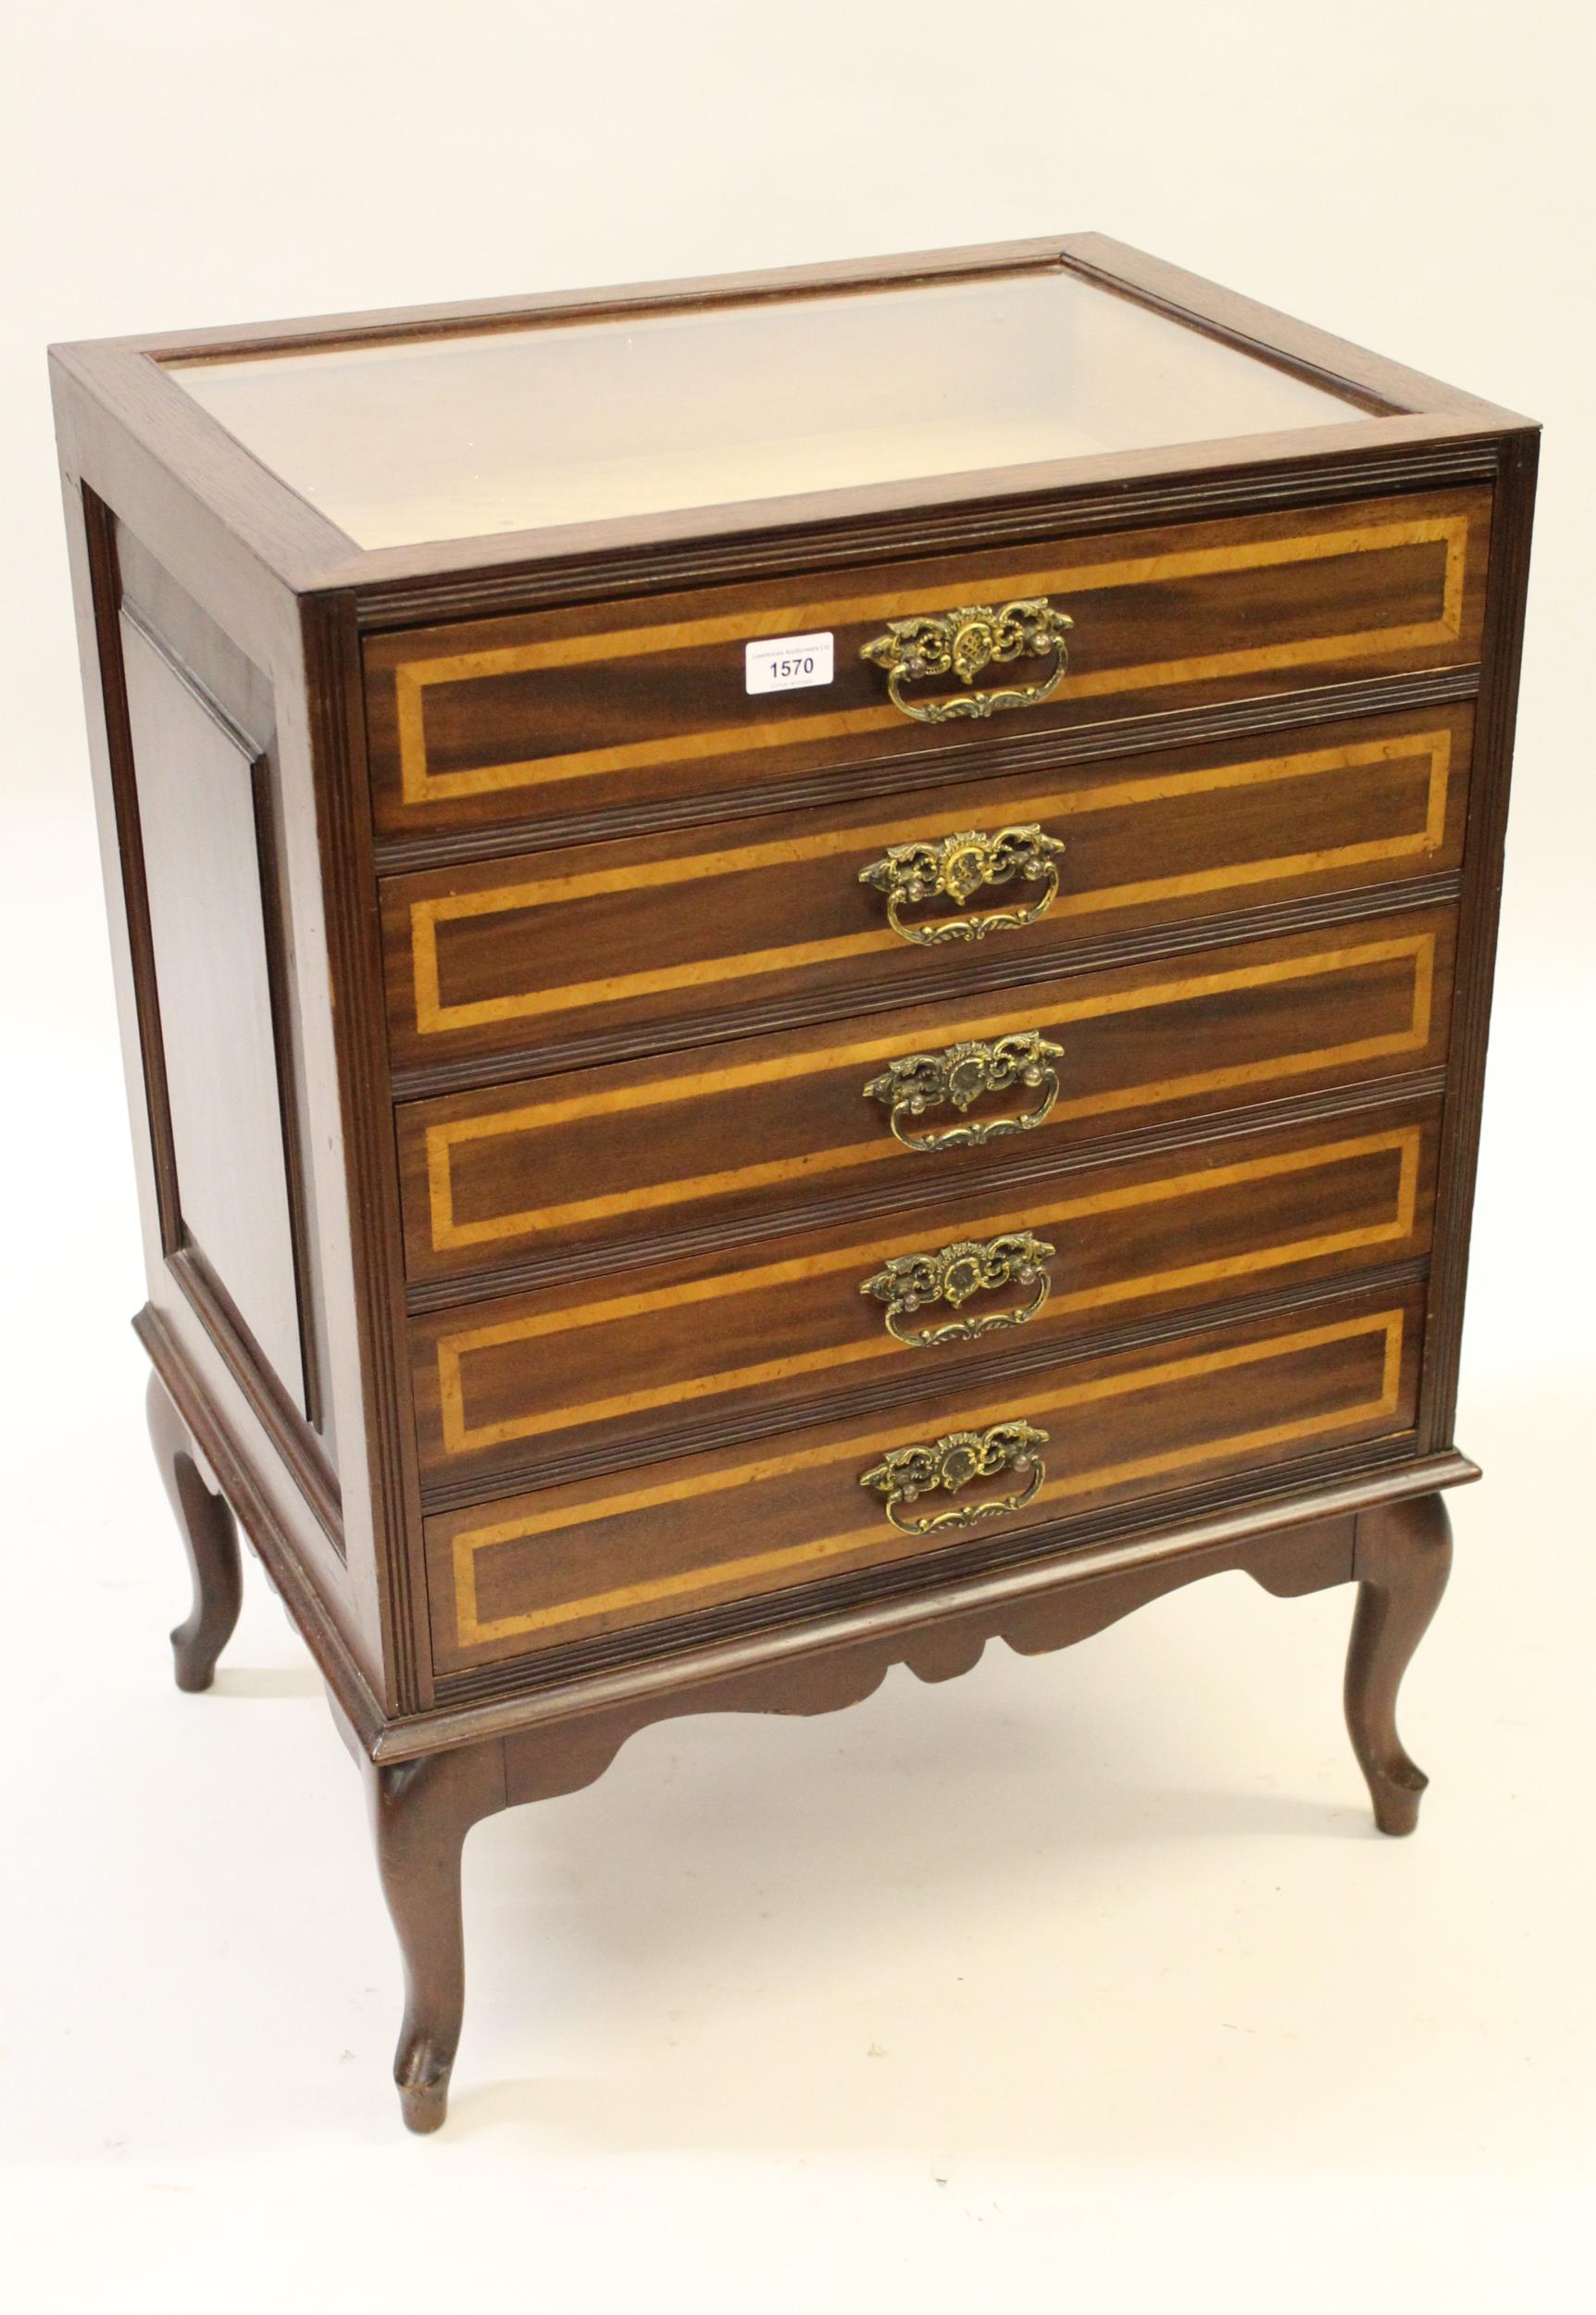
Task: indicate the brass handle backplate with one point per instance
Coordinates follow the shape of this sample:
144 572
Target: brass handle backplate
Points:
964 643
958 867
951 1464
908 1281
918 1081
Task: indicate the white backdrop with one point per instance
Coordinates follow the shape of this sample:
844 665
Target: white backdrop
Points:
1080 1981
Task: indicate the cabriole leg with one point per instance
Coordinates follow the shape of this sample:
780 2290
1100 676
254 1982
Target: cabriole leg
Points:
422 1812
1401 1559
210 1535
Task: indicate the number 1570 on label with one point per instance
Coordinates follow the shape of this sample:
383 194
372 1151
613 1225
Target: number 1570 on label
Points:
788 663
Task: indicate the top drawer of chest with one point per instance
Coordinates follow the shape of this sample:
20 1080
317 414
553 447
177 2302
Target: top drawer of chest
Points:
555 716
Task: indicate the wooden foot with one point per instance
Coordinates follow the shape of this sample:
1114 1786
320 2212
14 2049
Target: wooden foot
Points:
1401 1559
210 1534
422 1812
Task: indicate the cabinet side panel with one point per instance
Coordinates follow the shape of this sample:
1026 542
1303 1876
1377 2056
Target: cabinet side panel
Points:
141 542
201 806
1482 872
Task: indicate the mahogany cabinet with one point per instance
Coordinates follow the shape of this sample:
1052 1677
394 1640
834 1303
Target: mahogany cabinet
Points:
804 966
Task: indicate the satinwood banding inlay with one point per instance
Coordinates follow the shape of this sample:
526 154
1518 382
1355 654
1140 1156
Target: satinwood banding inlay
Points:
1383 1331
449 1234
413 679
1047 1210
542 898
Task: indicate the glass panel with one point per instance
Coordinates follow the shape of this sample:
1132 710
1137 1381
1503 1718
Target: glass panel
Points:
509 430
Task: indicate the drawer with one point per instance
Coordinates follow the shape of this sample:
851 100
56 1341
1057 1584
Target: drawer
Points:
693 1149
640 704
654 940
819 1323
533 1571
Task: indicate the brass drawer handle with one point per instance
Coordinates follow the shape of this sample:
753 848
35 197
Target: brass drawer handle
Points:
964 643
952 1463
958 866
952 1275
917 1081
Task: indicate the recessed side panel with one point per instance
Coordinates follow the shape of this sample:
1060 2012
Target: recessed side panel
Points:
200 796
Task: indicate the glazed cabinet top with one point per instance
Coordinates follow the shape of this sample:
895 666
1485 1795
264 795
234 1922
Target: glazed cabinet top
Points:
562 420
559 442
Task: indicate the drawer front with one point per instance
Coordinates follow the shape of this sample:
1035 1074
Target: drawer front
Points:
632 705
771 1132
533 1572
804 914
811 1326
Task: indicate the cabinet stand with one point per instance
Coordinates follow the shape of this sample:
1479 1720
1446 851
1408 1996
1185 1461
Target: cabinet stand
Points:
421 1809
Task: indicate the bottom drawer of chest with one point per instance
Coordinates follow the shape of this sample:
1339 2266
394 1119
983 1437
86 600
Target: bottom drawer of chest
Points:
535 1571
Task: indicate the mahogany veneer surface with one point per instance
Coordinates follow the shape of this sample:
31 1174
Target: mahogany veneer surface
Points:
715 1138
576 1169
570 1561
616 1369
558 713
768 917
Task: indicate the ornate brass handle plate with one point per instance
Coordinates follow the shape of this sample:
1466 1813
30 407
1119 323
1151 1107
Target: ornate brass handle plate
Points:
951 1464
953 1274
918 1081
958 867
964 643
